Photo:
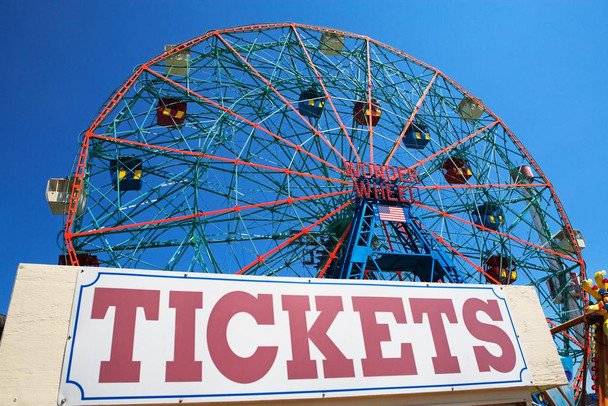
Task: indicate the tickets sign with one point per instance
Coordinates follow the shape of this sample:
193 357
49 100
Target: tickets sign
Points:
161 337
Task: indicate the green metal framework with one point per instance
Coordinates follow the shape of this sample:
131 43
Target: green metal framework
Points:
249 185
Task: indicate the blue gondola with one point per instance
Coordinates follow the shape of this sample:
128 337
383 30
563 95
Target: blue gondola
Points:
416 136
311 103
489 215
126 173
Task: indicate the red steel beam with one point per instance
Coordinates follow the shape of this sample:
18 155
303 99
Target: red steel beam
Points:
477 267
327 95
287 102
369 105
235 161
489 185
333 256
298 148
449 147
236 208
305 230
410 120
483 228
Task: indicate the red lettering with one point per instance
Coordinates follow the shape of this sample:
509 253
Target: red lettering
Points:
413 173
373 334
489 333
404 194
407 175
335 364
378 171
367 170
390 193
349 167
184 368
363 189
384 189
386 174
378 191
444 362
236 368
121 367
392 173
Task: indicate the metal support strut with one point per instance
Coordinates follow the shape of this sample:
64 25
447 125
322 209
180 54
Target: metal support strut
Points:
372 250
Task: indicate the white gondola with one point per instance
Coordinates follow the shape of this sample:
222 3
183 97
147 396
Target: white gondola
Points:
177 64
58 196
331 43
470 109
562 244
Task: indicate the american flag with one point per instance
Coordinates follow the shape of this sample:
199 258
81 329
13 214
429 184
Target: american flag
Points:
391 213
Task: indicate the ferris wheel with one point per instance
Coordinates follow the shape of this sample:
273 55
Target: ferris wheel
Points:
292 150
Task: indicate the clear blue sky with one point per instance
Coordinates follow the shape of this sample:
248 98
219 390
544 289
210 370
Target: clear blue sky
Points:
540 66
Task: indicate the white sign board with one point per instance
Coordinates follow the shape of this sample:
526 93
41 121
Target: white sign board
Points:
161 337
